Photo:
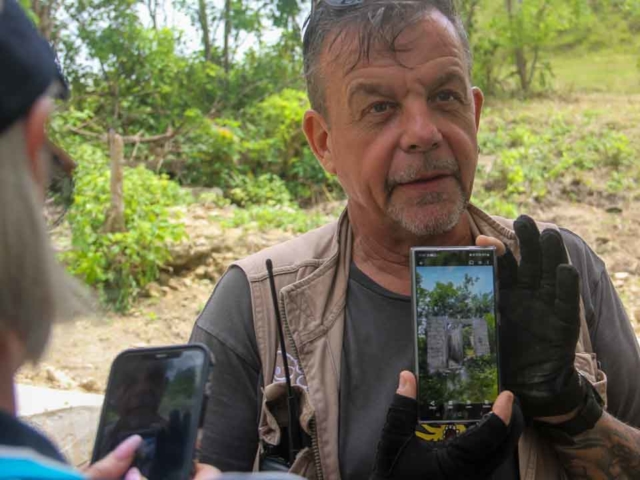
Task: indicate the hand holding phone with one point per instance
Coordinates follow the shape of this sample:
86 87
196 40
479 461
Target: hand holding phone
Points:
157 394
474 454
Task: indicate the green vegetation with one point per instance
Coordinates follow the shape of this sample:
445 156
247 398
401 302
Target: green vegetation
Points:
120 264
527 156
479 383
288 218
209 94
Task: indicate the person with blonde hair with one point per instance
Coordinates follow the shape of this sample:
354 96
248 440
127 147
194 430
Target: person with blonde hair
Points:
35 290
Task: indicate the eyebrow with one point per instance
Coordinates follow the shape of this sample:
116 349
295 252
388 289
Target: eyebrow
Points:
448 77
368 89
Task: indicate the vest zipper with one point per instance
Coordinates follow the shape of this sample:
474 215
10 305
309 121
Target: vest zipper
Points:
312 424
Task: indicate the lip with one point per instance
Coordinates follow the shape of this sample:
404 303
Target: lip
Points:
427 182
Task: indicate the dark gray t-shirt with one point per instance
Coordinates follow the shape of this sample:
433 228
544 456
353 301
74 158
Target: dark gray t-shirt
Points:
377 346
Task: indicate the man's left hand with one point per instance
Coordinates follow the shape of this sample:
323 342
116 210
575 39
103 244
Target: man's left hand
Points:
540 324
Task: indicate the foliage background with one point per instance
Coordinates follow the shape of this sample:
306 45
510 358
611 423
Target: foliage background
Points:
212 90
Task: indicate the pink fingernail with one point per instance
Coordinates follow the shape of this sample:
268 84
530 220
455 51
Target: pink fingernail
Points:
128 447
133 474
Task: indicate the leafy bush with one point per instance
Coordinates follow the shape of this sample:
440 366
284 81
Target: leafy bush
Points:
119 264
276 144
208 152
266 145
267 189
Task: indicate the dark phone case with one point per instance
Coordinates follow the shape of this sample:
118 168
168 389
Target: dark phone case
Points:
197 409
442 430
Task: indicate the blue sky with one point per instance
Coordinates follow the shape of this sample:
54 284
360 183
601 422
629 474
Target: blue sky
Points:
432 275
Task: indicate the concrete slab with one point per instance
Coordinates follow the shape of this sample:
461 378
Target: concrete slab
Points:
68 418
33 400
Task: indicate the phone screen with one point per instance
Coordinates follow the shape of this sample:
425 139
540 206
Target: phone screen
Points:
455 313
157 394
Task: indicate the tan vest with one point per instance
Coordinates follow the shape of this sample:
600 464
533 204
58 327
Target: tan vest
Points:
312 275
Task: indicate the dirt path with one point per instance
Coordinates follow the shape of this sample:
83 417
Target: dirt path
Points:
82 351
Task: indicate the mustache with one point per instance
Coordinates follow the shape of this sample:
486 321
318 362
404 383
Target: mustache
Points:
427 166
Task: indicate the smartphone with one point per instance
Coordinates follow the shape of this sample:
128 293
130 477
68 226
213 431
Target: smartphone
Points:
456 317
159 394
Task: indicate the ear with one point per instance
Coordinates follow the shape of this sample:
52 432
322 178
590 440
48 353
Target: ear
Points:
319 138
478 101
35 136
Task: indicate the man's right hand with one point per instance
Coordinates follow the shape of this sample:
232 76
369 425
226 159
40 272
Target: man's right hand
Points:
474 454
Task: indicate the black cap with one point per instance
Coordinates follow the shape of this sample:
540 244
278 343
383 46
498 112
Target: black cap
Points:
27 64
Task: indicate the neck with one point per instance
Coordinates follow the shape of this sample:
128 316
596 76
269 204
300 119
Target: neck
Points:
11 357
7 392
382 252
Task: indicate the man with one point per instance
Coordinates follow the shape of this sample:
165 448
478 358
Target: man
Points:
395 117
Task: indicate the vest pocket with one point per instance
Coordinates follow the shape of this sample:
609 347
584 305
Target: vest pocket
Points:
274 421
304 464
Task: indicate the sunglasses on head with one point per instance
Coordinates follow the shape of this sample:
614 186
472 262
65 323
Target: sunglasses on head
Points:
339 3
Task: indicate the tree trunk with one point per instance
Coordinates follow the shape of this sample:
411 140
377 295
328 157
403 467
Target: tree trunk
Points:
227 34
519 55
203 18
115 215
152 7
45 11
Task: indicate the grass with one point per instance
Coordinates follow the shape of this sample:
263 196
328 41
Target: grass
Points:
606 71
581 148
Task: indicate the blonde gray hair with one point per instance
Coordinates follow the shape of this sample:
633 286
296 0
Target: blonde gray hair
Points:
35 290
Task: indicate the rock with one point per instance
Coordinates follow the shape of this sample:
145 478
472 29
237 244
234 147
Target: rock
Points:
621 275
613 209
187 282
164 278
201 272
153 290
90 385
60 378
174 284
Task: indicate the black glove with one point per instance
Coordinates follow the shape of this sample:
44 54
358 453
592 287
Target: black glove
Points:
540 323
475 454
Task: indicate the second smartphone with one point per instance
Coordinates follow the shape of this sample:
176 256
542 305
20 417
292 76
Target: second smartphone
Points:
157 393
456 318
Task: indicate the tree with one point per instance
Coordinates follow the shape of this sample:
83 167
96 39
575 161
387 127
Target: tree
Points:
532 26
454 301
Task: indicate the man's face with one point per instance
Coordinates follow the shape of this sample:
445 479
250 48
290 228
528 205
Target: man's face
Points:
402 128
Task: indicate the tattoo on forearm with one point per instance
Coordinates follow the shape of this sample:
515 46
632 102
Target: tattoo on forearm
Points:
611 450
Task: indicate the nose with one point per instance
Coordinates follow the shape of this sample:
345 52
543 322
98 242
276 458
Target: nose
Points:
420 132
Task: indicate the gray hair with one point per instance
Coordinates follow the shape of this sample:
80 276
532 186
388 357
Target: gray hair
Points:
35 290
376 22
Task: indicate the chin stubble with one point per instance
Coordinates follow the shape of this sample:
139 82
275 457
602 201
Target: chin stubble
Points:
441 222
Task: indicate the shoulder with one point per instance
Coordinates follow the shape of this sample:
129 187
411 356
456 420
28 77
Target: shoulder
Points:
586 261
26 463
16 434
227 316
